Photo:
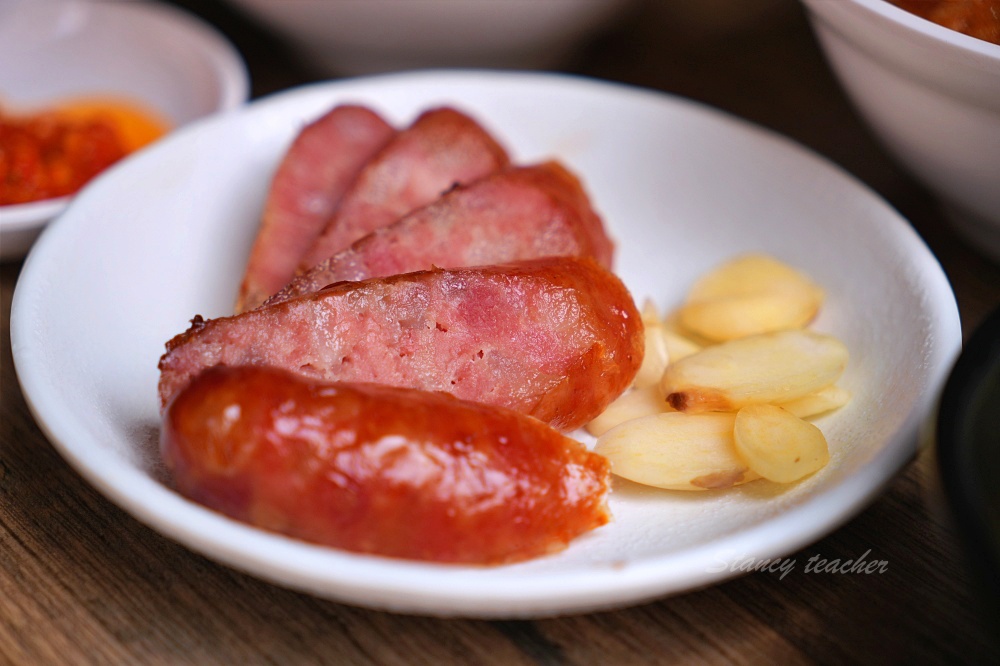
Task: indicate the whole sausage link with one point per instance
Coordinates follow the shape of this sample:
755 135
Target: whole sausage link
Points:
381 470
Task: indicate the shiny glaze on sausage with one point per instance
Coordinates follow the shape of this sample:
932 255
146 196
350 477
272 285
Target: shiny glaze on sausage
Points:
380 470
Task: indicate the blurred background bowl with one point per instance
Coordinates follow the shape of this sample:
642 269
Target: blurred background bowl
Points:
155 55
349 37
932 95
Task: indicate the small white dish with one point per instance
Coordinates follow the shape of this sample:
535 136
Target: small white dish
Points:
682 187
154 54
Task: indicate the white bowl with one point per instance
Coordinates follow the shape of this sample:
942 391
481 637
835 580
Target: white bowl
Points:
681 188
155 54
932 95
369 36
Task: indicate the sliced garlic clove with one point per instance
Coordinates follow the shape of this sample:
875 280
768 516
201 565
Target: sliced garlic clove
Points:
749 295
676 451
771 368
633 404
678 346
649 313
822 401
655 358
777 444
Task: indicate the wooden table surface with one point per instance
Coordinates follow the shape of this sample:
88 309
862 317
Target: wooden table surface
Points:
83 582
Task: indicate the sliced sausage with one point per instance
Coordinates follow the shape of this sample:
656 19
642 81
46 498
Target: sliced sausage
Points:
319 166
514 214
381 470
555 338
441 148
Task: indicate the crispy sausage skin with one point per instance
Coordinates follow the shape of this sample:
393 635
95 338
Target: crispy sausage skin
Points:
440 148
322 162
515 214
556 338
381 470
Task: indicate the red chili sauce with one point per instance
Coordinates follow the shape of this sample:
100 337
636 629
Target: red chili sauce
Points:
976 18
55 152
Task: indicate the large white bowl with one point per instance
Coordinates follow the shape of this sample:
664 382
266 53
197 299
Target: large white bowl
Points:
369 36
152 53
681 187
932 95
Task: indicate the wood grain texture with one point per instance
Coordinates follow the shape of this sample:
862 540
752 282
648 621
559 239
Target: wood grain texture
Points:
81 582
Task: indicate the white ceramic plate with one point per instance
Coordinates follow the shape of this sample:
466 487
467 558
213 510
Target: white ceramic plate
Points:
155 54
681 187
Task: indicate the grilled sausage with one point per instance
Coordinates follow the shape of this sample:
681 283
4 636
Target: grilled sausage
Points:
379 469
319 166
555 338
515 214
441 148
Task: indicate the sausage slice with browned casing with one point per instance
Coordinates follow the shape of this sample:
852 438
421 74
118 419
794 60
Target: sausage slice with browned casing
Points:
555 338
